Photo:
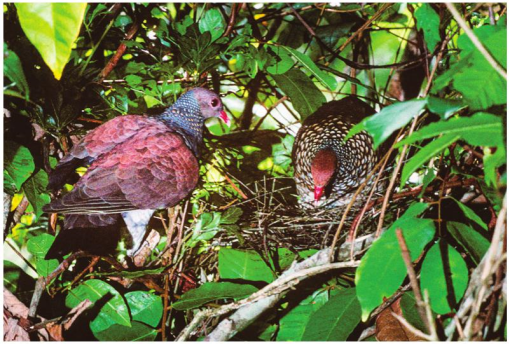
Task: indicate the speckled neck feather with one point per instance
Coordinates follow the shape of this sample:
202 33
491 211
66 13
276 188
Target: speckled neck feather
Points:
185 117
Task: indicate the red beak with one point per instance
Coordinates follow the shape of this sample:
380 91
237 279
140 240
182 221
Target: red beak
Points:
224 118
317 194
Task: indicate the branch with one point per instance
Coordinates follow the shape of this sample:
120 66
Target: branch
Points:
462 23
249 309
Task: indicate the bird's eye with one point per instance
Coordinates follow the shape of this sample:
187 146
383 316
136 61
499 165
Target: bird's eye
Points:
215 102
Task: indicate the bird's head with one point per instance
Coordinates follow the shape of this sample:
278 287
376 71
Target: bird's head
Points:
209 103
323 168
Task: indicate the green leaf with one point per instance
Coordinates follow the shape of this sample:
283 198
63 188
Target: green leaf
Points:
213 23
425 154
382 269
470 214
285 63
35 190
133 80
327 80
145 307
481 129
433 277
388 120
14 71
294 323
445 108
240 264
118 333
491 163
18 166
52 28
473 242
336 319
114 310
231 215
410 311
304 95
428 20
213 291
39 246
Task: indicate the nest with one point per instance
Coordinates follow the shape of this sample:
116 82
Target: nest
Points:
272 218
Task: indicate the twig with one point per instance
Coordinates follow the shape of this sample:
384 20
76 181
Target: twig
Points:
476 42
120 51
411 328
393 179
232 20
239 191
263 299
412 277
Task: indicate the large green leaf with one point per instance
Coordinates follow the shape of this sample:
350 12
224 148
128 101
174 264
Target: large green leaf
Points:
52 28
145 307
336 319
428 20
35 190
213 291
14 71
18 166
425 154
294 323
444 107
388 120
39 246
471 215
433 277
382 269
327 80
213 23
137 332
240 264
473 242
304 95
481 129
114 310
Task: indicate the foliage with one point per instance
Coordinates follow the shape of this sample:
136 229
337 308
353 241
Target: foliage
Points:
71 67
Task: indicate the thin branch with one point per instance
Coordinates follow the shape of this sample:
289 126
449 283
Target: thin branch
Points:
462 23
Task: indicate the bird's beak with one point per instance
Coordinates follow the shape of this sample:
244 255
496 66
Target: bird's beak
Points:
317 194
224 118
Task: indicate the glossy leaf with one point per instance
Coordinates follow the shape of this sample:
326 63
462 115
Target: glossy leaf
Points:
294 323
137 332
304 95
445 108
241 264
433 277
471 215
473 242
145 307
425 154
210 291
388 120
114 310
325 79
382 269
18 165
213 23
35 190
336 319
14 71
52 28
284 64
428 20
481 129
39 246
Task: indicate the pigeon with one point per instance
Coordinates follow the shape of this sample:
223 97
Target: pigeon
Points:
137 164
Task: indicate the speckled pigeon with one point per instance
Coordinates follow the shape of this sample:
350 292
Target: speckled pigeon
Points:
137 164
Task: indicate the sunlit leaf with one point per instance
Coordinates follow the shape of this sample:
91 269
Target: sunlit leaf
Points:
241 264
382 269
212 22
145 307
18 165
209 292
433 277
52 28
